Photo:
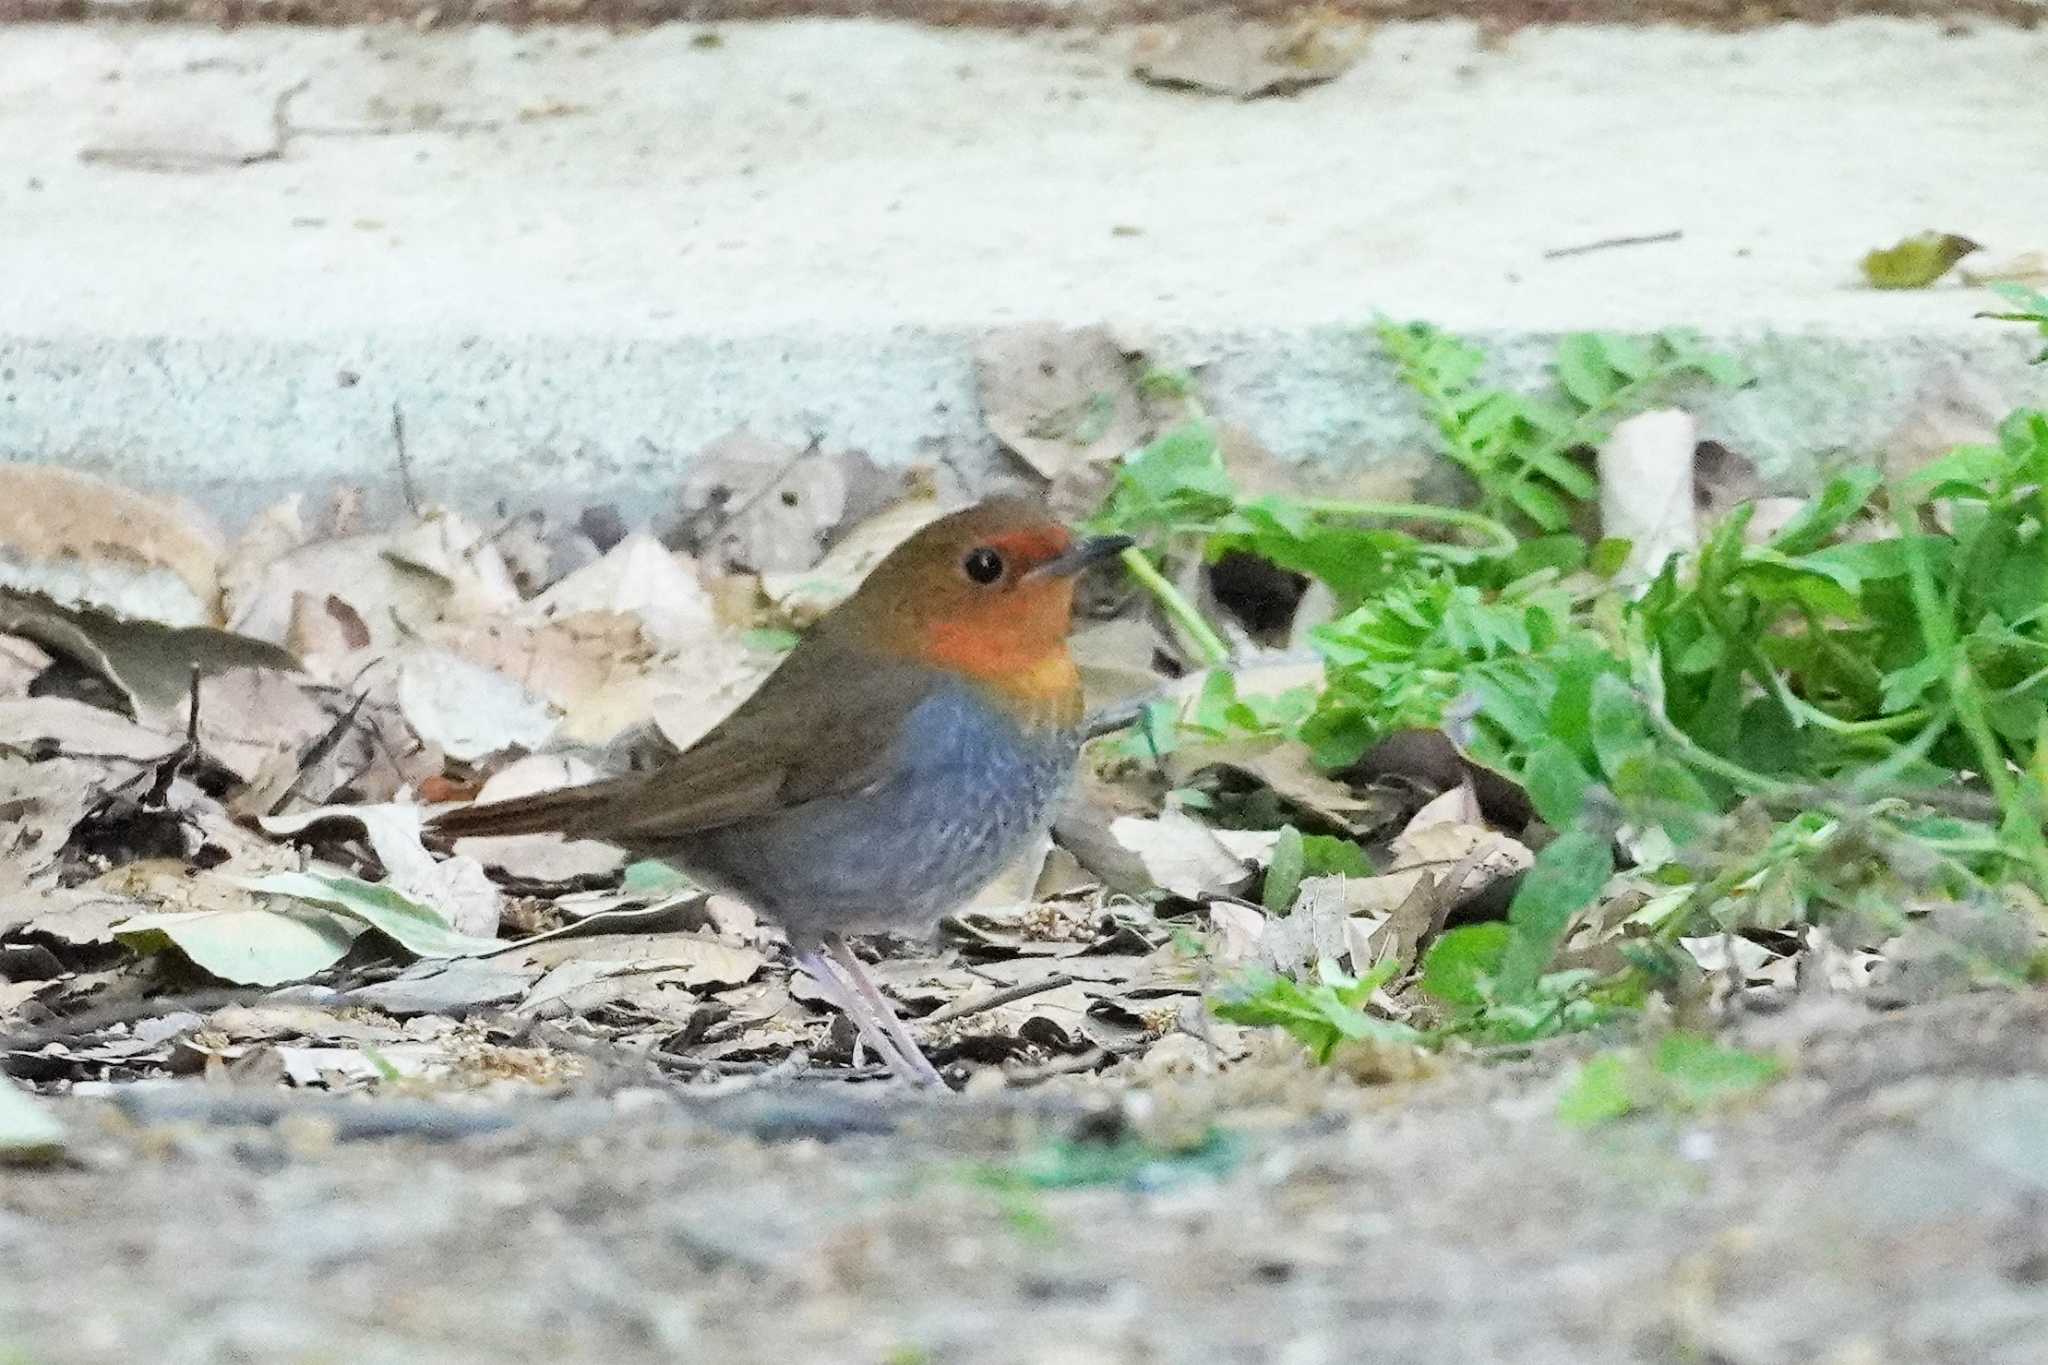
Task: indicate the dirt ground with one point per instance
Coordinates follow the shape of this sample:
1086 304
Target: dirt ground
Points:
1887 1202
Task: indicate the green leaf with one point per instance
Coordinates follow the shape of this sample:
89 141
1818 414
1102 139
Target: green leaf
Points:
1917 261
248 947
1583 370
1557 783
1462 961
1702 1073
1568 874
1321 1015
1326 855
1846 495
28 1130
1609 555
1603 1091
1178 478
652 877
1540 505
1684 1072
419 929
1284 872
1617 721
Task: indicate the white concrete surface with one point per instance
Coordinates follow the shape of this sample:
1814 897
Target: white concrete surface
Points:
575 257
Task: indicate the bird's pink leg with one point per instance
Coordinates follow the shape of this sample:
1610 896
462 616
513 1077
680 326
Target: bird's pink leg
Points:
851 1003
921 1072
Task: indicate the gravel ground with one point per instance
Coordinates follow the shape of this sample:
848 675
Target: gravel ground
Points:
1888 1202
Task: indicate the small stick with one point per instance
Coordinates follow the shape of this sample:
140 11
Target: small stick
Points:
405 484
1609 243
1009 995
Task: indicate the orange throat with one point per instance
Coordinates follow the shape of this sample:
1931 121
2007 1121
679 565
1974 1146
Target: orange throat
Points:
1035 682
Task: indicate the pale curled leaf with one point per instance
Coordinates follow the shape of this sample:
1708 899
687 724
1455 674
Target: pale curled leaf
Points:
1182 855
417 928
456 888
249 947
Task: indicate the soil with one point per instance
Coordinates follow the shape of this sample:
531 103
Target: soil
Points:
1886 1202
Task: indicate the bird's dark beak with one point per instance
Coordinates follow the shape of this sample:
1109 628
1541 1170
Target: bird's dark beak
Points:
1083 553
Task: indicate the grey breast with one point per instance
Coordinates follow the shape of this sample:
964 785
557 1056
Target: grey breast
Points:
966 791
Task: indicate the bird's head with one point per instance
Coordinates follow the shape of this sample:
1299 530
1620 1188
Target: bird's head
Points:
988 593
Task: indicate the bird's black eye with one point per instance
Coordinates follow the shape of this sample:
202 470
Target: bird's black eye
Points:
983 565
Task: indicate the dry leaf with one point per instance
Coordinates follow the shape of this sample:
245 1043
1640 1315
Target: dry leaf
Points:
83 539
151 664
540 857
640 579
1062 399
1286 766
468 711
1182 855
455 887
806 594
396 584
759 505
1219 54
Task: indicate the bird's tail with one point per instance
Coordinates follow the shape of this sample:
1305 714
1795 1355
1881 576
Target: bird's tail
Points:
566 810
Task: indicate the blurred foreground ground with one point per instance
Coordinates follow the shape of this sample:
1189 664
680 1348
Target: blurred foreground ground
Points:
1888 1202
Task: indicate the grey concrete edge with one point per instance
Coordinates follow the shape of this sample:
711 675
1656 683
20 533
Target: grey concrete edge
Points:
235 422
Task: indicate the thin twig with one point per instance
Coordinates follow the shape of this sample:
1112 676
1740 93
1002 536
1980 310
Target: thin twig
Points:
405 484
1609 243
317 752
1009 995
147 1007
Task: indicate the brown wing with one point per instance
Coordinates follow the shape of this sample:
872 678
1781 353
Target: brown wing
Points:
811 730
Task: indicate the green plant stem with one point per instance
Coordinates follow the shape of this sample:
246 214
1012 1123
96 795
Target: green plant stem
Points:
1140 567
1937 633
1505 542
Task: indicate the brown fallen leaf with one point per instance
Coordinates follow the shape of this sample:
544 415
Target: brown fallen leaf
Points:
640 579
396 583
86 539
1184 856
1217 53
1285 766
152 664
701 961
1062 400
757 504
803 595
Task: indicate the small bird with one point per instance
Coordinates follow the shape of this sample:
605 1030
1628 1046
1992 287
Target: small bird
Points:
914 742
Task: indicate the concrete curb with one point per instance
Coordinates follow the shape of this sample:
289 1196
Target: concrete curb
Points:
575 258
